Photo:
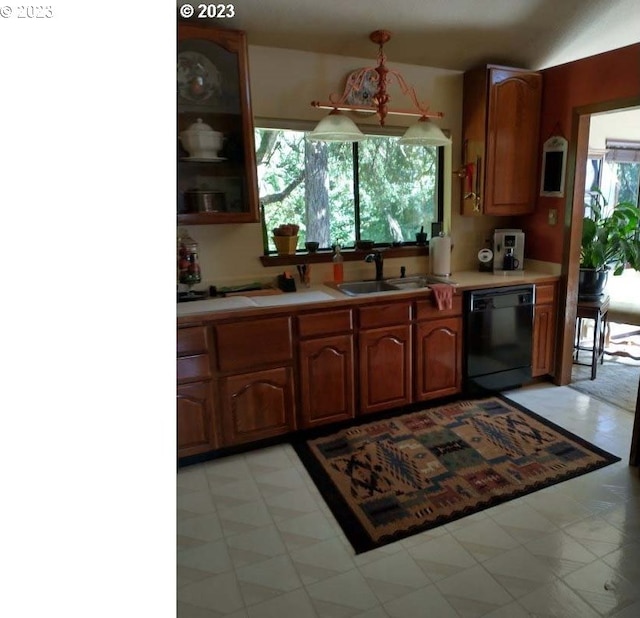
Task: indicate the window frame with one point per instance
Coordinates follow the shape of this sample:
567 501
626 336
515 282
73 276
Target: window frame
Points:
373 130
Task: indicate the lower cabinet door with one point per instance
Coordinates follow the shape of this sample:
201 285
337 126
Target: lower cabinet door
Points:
544 329
195 410
257 405
385 368
326 380
438 356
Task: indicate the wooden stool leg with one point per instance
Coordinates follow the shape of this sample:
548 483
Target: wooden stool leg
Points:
596 344
603 331
576 356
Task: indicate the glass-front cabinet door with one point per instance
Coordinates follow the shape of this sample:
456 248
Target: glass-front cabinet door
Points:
217 180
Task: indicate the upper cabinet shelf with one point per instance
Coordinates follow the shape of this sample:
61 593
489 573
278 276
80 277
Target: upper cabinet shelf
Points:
501 120
213 100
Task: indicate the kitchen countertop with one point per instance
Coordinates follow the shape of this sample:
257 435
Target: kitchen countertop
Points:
473 279
325 293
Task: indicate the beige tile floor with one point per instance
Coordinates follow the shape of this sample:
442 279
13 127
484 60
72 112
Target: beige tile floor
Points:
255 540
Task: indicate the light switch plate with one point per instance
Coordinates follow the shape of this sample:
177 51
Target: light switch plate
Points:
553 216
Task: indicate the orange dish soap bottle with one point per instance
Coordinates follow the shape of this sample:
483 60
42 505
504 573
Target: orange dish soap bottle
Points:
338 265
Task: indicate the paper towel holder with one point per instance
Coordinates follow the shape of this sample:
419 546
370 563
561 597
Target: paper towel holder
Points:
440 262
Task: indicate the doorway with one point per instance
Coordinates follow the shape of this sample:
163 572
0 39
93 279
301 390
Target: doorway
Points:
578 155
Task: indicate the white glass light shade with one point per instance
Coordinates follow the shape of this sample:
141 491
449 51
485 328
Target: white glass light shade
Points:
424 133
336 127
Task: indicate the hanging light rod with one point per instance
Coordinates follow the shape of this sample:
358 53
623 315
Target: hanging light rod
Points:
380 75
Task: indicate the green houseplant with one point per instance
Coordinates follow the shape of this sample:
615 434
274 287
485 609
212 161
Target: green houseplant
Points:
610 241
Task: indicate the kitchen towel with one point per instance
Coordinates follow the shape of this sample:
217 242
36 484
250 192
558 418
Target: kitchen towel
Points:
443 295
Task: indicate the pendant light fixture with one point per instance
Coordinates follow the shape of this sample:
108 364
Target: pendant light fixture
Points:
366 91
336 127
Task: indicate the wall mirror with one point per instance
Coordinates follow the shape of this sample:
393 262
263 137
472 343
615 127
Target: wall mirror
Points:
554 163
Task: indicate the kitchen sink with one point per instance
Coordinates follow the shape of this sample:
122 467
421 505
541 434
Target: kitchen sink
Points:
415 282
409 283
355 288
436 279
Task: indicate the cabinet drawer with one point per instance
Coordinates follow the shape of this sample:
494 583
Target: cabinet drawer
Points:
385 314
252 343
545 293
313 324
427 309
193 367
192 340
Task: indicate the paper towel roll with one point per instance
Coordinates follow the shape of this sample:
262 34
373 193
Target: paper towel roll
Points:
440 255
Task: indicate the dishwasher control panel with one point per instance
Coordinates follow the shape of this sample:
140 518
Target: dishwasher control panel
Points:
498 298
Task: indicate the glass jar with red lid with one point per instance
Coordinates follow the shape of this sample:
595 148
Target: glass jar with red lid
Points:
188 265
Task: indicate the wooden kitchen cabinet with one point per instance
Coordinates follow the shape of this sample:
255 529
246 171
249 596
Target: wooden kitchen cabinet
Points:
213 85
438 358
195 412
195 406
384 346
544 330
257 405
255 378
326 367
438 349
251 376
500 133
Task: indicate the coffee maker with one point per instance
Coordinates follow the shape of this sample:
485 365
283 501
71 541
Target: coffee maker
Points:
508 252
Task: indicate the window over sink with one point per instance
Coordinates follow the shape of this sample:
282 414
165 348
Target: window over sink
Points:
342 192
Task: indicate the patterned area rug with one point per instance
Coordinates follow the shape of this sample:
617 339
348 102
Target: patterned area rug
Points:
389 479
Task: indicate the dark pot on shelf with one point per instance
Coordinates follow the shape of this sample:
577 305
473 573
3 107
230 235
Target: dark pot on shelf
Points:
592 282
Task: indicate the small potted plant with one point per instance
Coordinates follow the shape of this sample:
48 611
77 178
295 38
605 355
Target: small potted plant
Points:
285 238
610 242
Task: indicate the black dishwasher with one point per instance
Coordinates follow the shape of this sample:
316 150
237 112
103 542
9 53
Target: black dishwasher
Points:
498 338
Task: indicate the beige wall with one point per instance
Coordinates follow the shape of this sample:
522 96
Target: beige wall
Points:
613 125
283 83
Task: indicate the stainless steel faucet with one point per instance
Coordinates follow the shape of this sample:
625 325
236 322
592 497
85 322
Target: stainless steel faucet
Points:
376 257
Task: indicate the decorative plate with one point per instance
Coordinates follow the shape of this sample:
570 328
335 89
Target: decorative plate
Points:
363 93
198 77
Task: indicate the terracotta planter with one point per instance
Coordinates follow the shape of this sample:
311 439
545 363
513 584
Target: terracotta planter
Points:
591 283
